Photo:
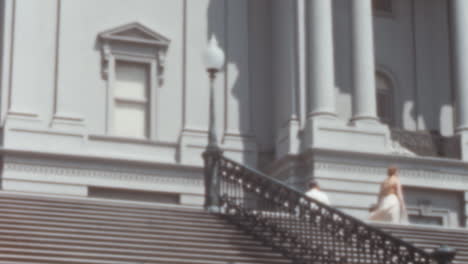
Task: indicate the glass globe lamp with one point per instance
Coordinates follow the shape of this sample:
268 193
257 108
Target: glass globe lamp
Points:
213 56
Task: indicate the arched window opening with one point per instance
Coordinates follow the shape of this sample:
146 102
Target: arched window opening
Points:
384 98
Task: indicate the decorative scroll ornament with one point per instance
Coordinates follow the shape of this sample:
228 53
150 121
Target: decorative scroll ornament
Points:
106 53
161 65
134 40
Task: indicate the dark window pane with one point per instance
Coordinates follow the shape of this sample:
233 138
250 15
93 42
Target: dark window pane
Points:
426 220
384 106
382 5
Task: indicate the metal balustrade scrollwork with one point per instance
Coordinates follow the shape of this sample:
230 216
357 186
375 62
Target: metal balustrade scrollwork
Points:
301 228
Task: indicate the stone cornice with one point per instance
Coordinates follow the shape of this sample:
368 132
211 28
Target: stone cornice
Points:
434 161
96 159
410 176
51 173
431 172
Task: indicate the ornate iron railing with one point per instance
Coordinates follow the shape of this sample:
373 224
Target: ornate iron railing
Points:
301 228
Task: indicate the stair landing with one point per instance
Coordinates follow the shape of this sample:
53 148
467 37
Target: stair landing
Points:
431 237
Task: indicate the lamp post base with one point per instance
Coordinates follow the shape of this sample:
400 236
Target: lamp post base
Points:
212 197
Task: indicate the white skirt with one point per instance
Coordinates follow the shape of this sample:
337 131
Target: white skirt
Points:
389 210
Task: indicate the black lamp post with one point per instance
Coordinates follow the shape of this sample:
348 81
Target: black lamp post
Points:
214 61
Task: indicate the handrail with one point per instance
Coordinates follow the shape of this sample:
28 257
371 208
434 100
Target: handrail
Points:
335 211
300 227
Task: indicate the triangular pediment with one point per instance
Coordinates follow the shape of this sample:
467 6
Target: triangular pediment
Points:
134 32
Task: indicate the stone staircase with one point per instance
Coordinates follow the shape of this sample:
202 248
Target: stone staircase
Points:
430 237
52 230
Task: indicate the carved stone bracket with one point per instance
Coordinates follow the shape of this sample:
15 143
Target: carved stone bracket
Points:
106 54
134 40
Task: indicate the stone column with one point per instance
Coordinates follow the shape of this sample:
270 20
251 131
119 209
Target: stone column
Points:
363 68
321 91
459 25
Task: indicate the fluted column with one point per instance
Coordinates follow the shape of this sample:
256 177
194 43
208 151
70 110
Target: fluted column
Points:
363 68
321 94
459 25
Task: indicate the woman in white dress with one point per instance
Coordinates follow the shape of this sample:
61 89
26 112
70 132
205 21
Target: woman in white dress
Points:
390 205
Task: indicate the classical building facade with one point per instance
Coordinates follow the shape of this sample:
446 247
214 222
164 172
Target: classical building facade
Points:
110 98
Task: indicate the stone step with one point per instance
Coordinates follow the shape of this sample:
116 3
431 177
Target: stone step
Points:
69 252
104 204
74 231
151 228
32 258
461 254
228 247
431 238
426 230
135 255
435 242
435 238
162 234
110 237
112 211
88 217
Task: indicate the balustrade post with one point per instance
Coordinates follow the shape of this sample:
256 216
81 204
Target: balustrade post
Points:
444 254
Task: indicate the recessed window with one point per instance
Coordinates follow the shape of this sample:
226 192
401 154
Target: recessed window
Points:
131 100
426 220
384 98
133 62
383 6
435 207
